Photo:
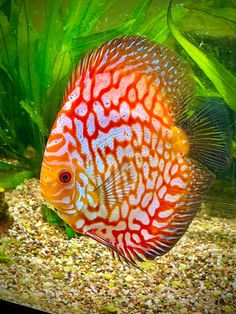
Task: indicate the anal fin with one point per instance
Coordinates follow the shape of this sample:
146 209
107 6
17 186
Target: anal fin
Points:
110 246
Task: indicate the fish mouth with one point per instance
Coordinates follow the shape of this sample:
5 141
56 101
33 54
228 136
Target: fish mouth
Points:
56 205
48 202
47 194
47 198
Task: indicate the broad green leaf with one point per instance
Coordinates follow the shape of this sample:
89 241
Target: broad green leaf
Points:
92 13
224 81
51 217
9 180
139 13
27 55
5 6
227 13
69 232
157 28
7 55
81 44
34 115
48 45
4 258
234 149
5 166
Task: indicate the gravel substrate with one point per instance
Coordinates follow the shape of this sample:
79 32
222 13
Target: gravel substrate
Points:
49 272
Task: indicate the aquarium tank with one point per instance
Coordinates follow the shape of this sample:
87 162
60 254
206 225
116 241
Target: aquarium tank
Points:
45 263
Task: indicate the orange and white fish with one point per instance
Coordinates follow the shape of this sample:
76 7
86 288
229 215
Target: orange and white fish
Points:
127 159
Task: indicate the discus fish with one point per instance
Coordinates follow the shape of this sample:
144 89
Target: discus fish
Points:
127 161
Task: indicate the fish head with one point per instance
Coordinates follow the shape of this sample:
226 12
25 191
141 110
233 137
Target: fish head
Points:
58 185
67 187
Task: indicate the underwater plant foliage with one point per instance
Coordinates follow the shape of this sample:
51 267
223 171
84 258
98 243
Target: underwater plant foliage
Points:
224 80
53 219
4 258
41 42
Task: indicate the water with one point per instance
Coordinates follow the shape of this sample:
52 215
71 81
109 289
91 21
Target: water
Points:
44 263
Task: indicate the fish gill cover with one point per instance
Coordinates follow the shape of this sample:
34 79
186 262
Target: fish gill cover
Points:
41 42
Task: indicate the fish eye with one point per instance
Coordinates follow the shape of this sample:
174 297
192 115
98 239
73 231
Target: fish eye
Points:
65 176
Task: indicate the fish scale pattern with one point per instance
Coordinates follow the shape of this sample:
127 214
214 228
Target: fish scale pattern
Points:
116 134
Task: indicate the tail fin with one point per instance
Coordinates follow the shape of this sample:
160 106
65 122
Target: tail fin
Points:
210 135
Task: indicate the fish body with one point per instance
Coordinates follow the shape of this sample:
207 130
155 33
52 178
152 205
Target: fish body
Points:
118 165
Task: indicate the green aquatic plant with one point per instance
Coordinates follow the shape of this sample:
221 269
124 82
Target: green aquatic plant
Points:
4 258
223 80
53 219
12 174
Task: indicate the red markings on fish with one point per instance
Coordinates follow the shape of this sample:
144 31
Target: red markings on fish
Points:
133 184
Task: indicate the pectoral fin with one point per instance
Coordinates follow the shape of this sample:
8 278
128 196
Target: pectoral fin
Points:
117 185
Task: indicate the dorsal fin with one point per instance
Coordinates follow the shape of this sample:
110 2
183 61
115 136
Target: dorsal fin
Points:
172 75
